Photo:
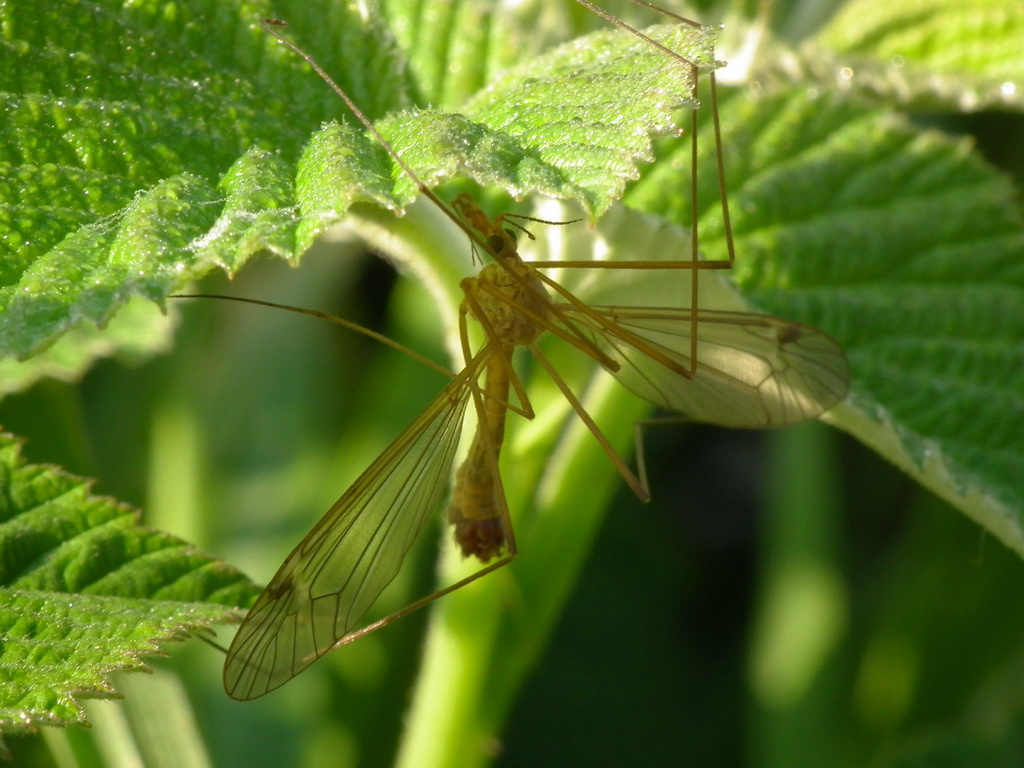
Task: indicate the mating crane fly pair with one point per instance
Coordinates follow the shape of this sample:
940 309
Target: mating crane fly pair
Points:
728 368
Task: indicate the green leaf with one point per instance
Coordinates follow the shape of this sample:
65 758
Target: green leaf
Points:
899 242
59 650
907 248
959 54
134 177
457 48
130 172
590 109
85 591
94 271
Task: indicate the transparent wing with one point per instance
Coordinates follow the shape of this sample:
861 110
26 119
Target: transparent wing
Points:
335 574
753 370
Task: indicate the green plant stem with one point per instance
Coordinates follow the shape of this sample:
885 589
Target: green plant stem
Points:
803 611
484 639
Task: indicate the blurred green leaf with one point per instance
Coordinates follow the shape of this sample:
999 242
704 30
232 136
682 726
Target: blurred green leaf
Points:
137 331
930 54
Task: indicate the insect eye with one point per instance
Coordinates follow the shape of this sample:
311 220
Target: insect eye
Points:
495 244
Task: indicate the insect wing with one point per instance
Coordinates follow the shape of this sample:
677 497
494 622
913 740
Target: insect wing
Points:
335 574
752 371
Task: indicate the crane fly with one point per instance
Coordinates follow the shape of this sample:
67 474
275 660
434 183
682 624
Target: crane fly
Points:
741 370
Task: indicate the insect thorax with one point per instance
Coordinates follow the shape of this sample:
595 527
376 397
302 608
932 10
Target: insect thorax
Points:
514 301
